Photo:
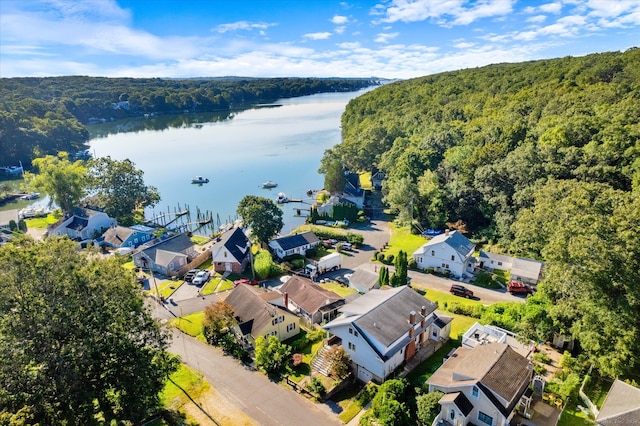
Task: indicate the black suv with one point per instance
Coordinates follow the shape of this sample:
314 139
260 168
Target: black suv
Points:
460 290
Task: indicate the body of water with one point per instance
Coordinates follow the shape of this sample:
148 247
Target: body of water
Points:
283 143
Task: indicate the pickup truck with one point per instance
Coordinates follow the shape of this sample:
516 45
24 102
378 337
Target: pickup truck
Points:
518 287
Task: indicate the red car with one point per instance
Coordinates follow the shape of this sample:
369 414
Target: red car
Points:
460 290
518 287
236 283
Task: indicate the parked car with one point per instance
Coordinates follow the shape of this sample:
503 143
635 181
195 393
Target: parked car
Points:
188 277
518 287
236 283
201 277
460 290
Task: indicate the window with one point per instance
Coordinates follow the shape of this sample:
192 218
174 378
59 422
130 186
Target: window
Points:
445 265
350 330
452 415
352 346
435 333
291 326
485 419
499 263
355 333
474 392
433 252
453 258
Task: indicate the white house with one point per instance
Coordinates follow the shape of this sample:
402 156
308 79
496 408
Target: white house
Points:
83 224
450 251
384 328
167 256
231 252
294 244
521 269
483 385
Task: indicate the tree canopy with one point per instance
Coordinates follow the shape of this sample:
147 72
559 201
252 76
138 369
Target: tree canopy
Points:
262 215
65 182
77 344
119 188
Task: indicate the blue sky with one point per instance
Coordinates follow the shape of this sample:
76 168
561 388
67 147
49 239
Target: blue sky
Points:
285 38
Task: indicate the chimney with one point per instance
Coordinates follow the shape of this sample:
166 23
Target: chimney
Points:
412 317
286 300
411 332
423 310
446 232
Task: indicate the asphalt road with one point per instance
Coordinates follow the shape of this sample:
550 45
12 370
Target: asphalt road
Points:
266 402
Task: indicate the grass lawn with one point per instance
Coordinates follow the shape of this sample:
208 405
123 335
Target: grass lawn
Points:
421 373
173 397
503 276
597 389
346 399
41 222
572 416
403 239
304 369
199 240
338 289
190 324
365 181
214 285
443 298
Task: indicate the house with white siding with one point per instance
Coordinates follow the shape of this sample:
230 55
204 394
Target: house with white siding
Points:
382 329
450 251
82 224
294 244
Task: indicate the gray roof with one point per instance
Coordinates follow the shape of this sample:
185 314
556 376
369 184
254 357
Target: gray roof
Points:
526 268
364 278
495 256
308 295
297 240
180 243
621 406
461 244
460 400
117 235
251 307
383 314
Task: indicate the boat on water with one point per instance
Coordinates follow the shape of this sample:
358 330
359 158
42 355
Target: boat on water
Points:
31 196
282 198
269 184
199 179
29 212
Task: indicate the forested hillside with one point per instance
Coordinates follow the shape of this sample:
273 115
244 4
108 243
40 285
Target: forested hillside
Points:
540 159
47 115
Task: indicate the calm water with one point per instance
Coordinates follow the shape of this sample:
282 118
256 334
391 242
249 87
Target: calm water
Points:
236 152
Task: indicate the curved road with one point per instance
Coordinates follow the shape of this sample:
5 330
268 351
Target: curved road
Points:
266 402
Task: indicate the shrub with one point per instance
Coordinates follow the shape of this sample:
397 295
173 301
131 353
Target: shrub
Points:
317 387
375 256
316 335
297 359
381 257
13 226
412 264
541 357
390 258
299 344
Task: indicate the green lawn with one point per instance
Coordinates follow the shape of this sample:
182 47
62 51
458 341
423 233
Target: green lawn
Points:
191 381
403 239
443 298
571 416
214 285
338 289
41 222
304 369
190 324
365 181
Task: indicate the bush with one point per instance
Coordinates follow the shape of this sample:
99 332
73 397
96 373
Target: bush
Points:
299 344
390 258
412 264
375 256
316 335
317 387
381 257
366 395
541 357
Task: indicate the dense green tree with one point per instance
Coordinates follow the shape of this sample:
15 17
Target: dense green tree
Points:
119 188
388 406
218 317
65 182
340 362
334 178
271 356
400 274
428 407
383 276
77 342
262 216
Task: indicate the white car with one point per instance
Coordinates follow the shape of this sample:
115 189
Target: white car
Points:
201 277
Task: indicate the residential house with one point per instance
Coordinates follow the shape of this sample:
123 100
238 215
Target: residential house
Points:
326 209
125 237
491 261
309 300
294 244
352 190
621 407
167 256
231 252
364 280
450 251
526 270
260 312
377 177
82 224
482 385
382 329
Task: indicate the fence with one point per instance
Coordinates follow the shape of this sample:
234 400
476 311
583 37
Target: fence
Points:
197 261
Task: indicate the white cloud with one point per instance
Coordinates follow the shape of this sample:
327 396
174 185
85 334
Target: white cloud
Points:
385 37
446 12
551 8
317 36
339 20
340 30
538 19
242 25
463 45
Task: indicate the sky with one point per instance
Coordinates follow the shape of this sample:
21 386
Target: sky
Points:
301 38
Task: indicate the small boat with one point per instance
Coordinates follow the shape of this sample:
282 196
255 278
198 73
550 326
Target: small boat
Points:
269 184
31 196
282 198
199 179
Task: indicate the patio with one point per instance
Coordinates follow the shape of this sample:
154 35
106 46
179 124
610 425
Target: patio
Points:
543 415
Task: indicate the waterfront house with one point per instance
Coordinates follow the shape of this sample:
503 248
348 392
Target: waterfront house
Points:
125 237
231 252
294 244
168 256
312 302
82 224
